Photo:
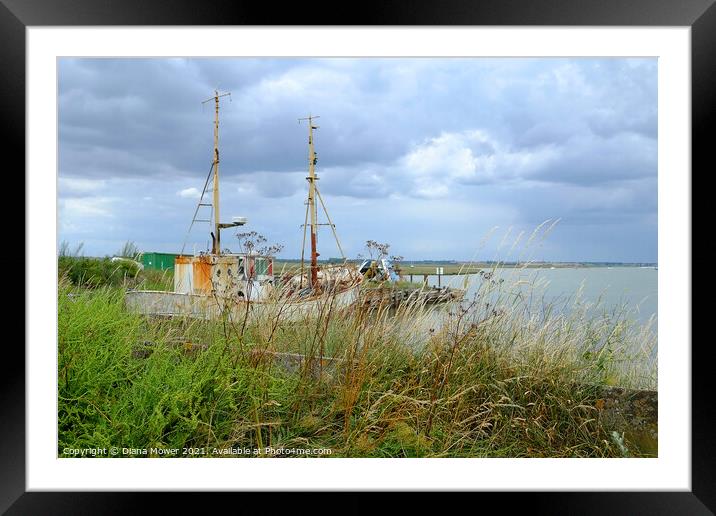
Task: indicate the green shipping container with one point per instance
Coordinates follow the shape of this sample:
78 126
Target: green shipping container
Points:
158 261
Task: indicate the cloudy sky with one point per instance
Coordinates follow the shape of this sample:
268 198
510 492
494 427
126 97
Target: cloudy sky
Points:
441 158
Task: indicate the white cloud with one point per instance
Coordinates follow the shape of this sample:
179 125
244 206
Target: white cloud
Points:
189 193
80 214
87 207
471 156
79 187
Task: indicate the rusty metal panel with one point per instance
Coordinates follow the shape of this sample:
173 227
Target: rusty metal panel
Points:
202 267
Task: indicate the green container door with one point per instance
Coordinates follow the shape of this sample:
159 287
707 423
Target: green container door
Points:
158 261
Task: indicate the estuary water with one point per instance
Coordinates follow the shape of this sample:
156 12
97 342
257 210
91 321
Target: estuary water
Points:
631 291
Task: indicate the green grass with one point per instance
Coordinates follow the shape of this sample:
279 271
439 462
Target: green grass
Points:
103 272
500 378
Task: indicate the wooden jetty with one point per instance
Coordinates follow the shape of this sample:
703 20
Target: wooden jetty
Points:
394 297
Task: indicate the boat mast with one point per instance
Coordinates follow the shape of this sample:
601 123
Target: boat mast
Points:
312 159
216 243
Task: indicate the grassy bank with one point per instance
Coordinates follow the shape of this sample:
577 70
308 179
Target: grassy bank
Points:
495 379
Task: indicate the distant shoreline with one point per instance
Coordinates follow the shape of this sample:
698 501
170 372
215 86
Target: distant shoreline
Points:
486 265
452 268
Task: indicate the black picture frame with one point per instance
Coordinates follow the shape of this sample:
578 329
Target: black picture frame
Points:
700 15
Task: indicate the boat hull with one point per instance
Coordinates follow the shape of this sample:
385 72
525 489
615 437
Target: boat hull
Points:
207 307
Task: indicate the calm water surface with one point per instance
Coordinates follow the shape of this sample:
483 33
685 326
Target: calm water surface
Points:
607 289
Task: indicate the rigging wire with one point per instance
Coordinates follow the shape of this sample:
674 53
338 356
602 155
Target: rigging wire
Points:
206 183
330 223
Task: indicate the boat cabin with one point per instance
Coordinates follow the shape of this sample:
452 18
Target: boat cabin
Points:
238 276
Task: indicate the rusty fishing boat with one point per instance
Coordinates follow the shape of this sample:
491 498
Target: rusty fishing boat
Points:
215 284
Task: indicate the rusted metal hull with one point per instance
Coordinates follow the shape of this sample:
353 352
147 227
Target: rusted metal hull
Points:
174 304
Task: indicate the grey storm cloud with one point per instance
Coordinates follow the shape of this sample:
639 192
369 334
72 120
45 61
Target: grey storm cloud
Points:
511 141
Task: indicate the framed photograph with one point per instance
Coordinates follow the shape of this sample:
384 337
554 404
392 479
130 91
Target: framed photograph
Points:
422 252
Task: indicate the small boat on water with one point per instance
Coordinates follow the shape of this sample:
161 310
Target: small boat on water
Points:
213 284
